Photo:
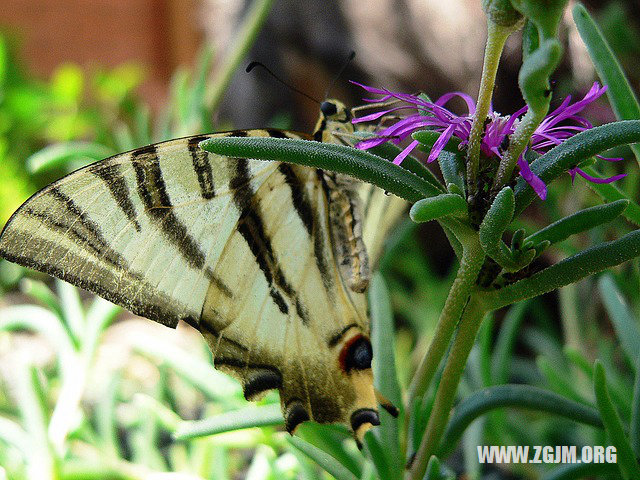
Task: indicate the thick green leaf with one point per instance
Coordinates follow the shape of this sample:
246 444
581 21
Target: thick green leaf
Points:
569 270
579 222
573 151
390 151
326 461
248 417
620 93
442 205
492 228
428 138
625 324
546 15
452 168
351 161
501 12
626 459
533 78
517 396
496 221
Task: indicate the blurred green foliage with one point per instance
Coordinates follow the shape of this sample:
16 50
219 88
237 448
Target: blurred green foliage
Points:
76 404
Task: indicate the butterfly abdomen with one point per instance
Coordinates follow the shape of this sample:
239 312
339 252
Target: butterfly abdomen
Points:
345 216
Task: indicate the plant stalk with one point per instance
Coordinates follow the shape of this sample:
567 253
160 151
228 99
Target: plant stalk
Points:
496 37
245 38
464 283
445 396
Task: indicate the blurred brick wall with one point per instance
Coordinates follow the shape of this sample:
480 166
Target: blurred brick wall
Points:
158 34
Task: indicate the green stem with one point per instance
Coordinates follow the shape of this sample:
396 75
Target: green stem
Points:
470 264
517 143
445 396
496 37
245 38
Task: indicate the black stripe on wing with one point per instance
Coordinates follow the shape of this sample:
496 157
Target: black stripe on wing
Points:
251 227
153 192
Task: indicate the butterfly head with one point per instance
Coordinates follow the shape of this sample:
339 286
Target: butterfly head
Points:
334 117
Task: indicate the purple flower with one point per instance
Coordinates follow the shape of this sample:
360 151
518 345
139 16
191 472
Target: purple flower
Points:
559 125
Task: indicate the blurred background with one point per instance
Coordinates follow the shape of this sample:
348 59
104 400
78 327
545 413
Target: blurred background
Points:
81 80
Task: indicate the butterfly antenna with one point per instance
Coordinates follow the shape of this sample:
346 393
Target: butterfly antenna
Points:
255 64
345 64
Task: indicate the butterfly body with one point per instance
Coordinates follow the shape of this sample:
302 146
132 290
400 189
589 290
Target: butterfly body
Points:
266 259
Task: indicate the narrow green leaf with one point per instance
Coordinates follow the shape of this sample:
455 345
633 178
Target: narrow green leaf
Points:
624 323
245 36
433 469
634 429
75 469
573 151
13 434
43 294
380 456
503 351
580 471
68 155
42 321
557 379
384 364
212 383
334 440
620 93
626 459
517 396
34 411
579 222
106 419
442 205
357 163
247 417
326 461
610 192
569 270
72 309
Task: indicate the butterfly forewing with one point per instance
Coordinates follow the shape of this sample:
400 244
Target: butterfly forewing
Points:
254 254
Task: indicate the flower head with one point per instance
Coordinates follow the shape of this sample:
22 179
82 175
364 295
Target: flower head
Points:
559 125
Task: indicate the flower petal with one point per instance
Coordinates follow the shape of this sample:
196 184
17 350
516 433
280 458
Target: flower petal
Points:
404 153
532 179
593 179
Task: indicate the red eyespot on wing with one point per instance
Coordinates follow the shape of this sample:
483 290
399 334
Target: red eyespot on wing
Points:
356 354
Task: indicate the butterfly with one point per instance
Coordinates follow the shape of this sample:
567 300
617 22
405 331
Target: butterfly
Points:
270 261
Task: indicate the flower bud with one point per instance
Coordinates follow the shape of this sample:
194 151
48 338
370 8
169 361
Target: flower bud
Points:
502 13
